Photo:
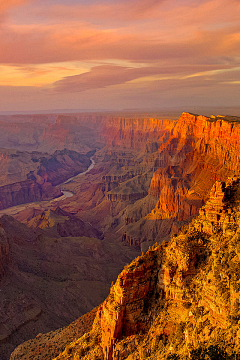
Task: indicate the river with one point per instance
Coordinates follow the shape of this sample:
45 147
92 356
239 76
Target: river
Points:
38 204
83 173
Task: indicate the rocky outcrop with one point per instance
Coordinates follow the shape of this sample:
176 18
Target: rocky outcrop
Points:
200 151
218 212
168 185
120 314
180 299
132 241
137 133
61 223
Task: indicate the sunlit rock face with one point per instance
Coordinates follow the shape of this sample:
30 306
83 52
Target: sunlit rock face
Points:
178 298
197 151
200 151
142 134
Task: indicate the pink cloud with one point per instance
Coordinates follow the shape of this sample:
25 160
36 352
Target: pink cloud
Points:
118 10
175 38
42 44
9 4
190 32
172 14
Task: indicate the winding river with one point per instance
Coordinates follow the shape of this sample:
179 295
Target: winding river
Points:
66 194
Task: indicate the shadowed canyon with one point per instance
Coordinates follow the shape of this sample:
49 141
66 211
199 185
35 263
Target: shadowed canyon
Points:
82 196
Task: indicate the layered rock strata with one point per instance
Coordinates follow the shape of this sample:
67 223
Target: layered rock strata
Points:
179 299
137 133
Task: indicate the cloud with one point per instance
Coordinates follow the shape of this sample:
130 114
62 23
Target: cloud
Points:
169 14
108 75
41 44
186 31
110 11
98 77
155 94
144 46
10 4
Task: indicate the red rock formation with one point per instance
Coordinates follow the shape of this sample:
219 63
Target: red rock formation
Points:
200 151
120 314
138 133
185 283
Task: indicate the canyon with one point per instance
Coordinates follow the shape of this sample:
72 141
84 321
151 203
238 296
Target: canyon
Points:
29 177
151 176
180 299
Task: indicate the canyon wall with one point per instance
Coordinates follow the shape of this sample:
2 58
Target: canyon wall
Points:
25 192
183 158
199 151
180 298
137 133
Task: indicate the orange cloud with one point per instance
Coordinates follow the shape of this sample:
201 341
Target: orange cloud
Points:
120 10
42 44
8 4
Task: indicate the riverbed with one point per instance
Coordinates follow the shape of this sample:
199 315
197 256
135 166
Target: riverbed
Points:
47 203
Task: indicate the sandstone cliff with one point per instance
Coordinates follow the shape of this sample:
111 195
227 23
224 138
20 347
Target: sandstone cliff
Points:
137 133
180 300
199 151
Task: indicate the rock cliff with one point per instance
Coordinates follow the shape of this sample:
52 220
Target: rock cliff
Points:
190 155
26 191
137 133
200 151
179 300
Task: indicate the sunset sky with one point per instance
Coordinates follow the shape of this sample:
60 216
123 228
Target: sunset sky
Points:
118 54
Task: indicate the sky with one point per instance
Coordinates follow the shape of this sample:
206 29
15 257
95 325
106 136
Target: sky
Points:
119 54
